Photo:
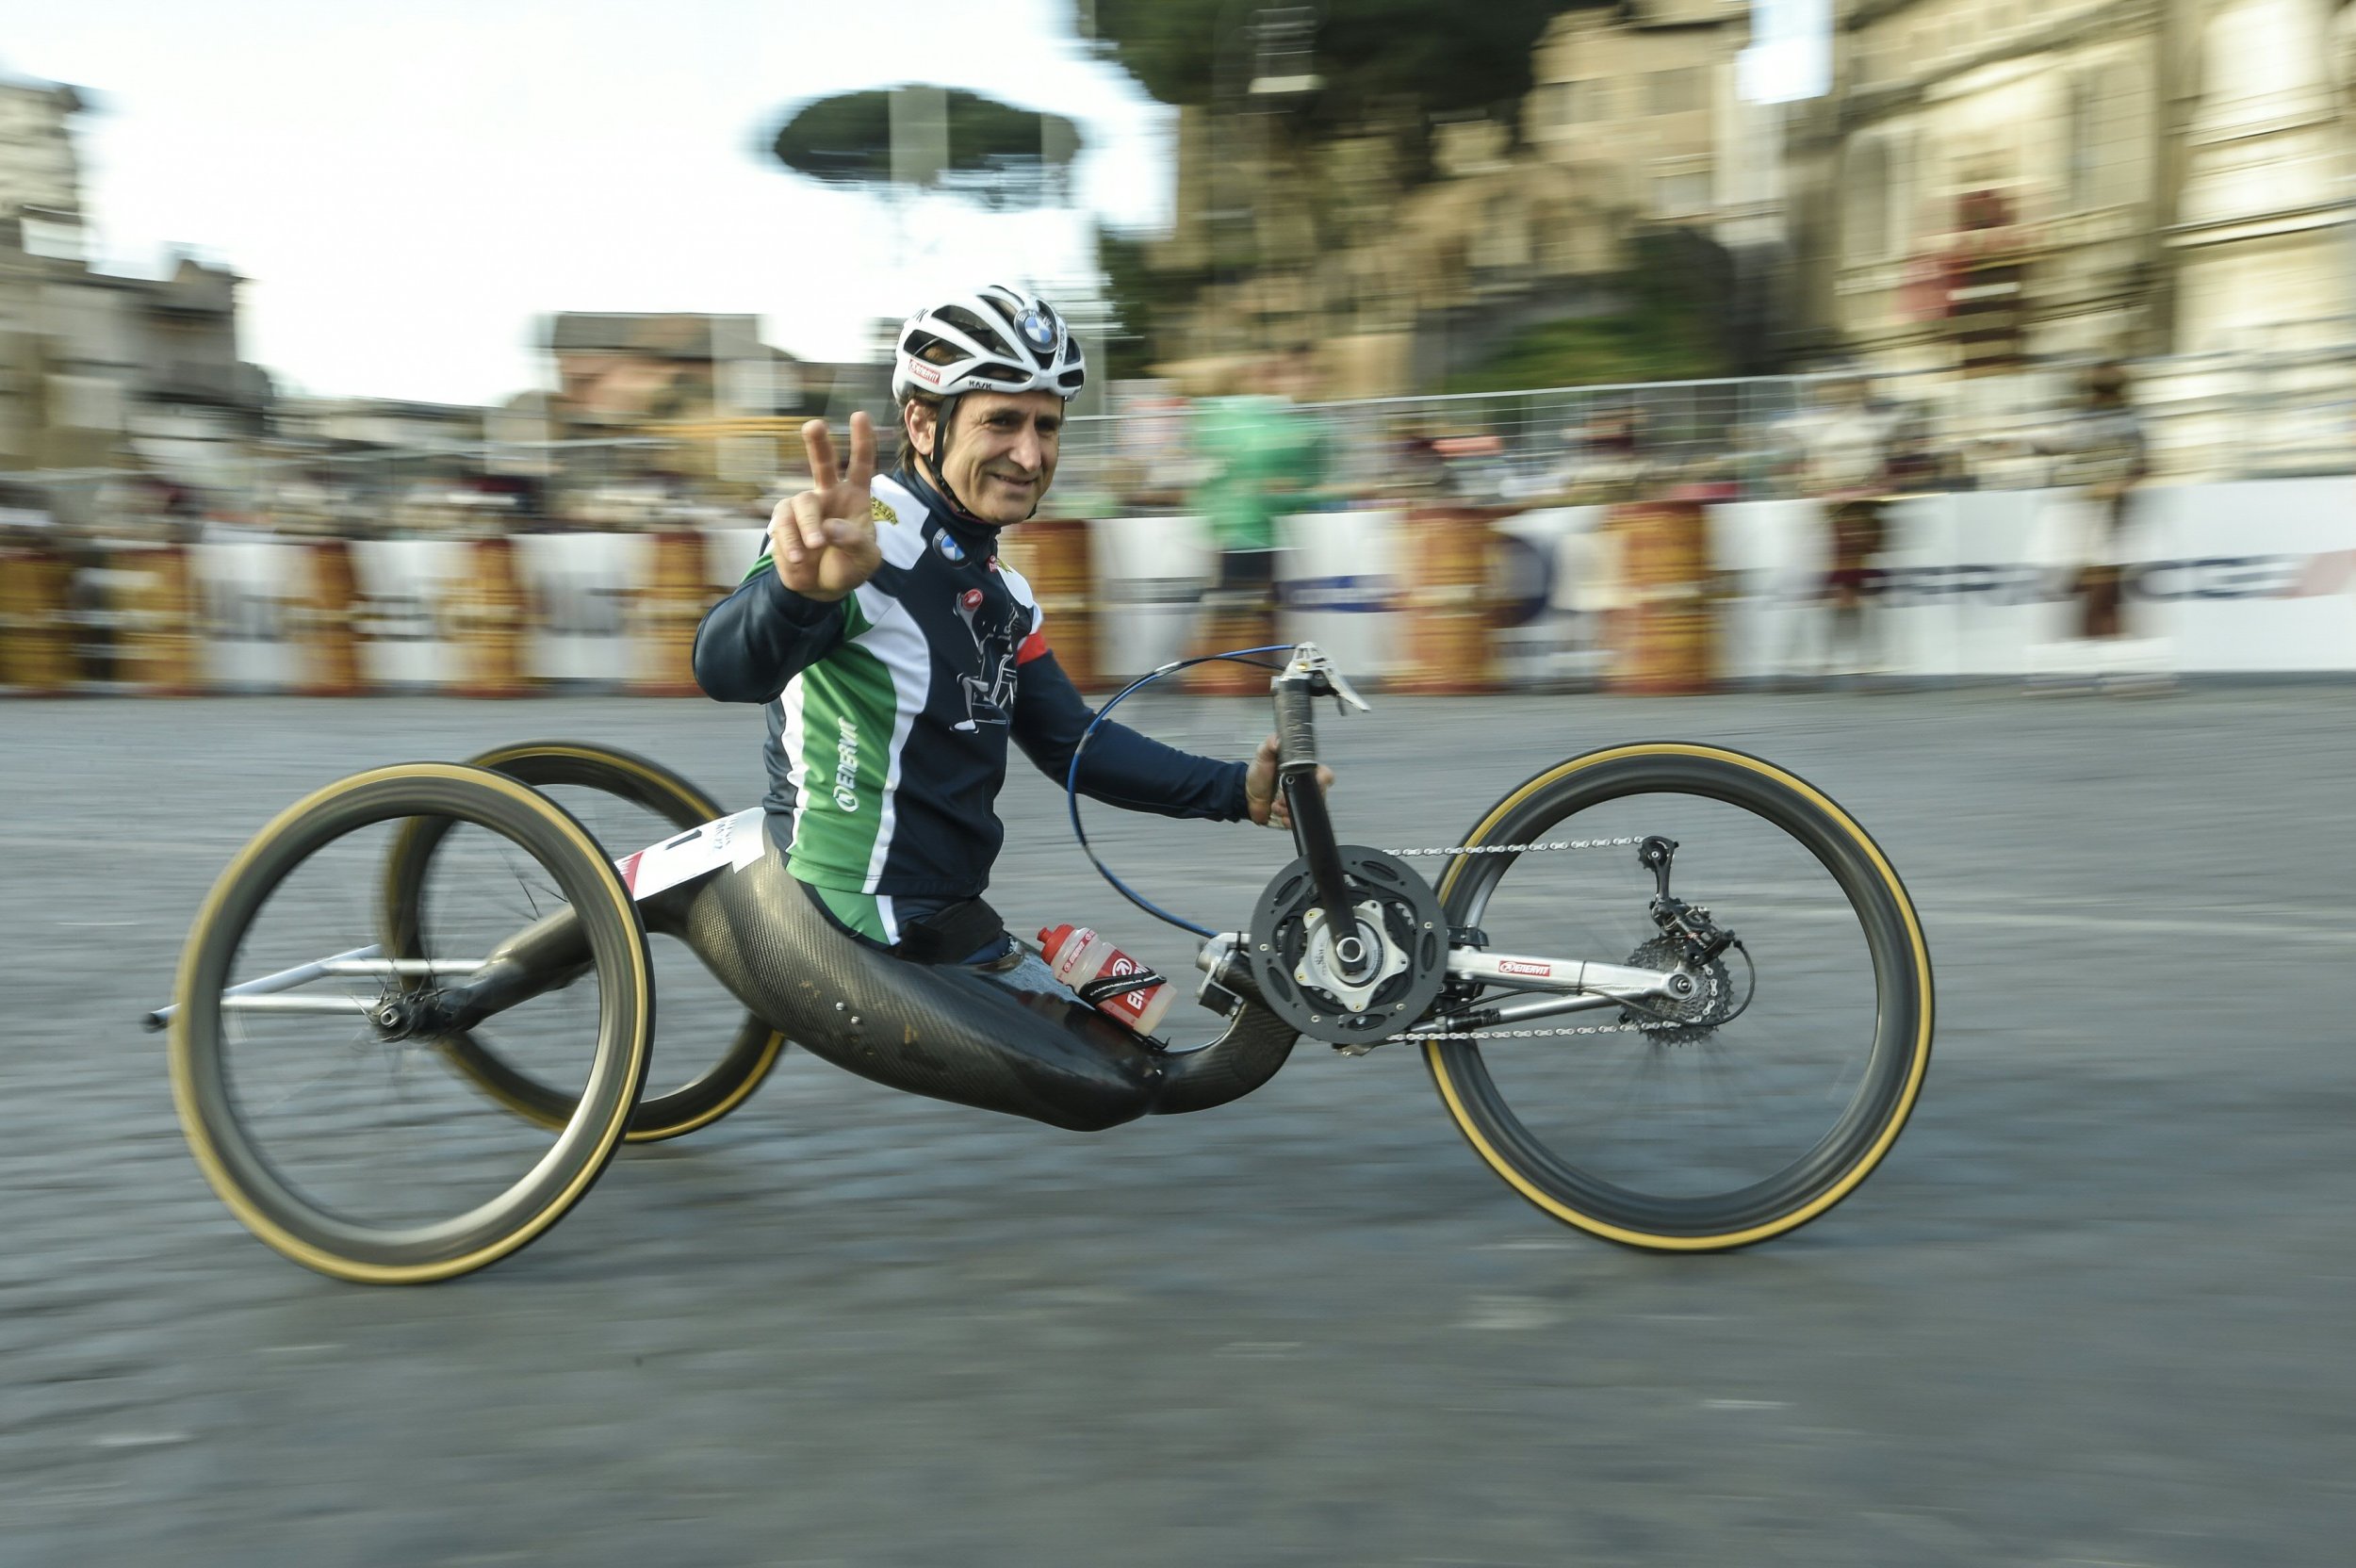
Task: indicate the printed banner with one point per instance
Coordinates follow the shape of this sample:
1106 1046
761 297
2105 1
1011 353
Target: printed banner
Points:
2245 578
1337 576
1151 576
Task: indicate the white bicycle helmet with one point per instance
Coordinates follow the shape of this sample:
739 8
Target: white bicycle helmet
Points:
998 339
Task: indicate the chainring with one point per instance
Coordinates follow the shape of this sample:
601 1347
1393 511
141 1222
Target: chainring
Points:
1695 1017
1412 924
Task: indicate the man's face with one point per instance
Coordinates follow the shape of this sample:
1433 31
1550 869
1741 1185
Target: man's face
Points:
1002 455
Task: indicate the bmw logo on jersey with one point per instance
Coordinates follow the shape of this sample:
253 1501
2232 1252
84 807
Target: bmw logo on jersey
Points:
950 549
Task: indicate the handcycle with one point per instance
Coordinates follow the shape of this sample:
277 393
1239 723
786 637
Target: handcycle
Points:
1655 1069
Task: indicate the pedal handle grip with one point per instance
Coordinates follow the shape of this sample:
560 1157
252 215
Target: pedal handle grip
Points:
1296 726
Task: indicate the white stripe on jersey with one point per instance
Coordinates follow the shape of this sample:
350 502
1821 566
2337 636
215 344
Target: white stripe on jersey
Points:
902 540
797 773
898 644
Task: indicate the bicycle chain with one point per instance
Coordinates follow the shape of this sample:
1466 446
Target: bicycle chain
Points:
1656 1027
1521 849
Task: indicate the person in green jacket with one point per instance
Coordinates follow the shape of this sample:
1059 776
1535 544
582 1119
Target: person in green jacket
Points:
1266 456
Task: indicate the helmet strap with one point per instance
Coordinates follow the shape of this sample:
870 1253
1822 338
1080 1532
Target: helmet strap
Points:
943 417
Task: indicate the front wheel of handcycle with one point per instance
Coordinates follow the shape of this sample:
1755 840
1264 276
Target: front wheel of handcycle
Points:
625 802
320 1106
1719 1122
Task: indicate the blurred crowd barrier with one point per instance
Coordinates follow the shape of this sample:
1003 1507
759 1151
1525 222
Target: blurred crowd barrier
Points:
1660 537
1660 595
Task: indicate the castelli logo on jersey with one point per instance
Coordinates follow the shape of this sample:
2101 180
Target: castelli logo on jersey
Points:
971 598
1514 966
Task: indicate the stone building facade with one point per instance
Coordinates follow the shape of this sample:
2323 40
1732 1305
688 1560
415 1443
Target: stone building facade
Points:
1632 122
96 367
2153 176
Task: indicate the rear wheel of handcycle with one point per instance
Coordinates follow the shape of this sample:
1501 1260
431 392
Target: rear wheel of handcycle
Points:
1732 1117
345 1142
627 802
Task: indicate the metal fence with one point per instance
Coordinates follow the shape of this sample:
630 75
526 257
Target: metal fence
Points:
2208 418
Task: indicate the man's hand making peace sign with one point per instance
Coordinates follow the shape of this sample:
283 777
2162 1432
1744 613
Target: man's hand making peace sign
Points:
823 539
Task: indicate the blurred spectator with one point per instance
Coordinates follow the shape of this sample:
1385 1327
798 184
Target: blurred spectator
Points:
25 514
1608 464
1847 467
1265 457
2102 454
1920 463
1413 465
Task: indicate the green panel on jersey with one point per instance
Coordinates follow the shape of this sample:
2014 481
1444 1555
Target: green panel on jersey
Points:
848 706
766 563
856 911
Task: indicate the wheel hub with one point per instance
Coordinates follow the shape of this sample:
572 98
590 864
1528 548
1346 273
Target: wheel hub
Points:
1329 960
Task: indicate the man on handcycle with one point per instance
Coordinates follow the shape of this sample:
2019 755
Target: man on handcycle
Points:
896 655
897 658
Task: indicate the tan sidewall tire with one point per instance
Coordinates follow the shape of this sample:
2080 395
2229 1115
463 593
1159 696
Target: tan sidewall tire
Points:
1918 979
625 975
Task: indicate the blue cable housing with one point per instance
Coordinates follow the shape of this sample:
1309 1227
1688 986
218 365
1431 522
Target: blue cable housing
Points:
1072 776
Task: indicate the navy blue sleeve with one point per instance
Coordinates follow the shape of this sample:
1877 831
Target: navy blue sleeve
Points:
753 642
1120 766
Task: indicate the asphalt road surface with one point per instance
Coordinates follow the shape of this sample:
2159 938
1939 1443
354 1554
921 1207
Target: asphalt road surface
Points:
2092 1309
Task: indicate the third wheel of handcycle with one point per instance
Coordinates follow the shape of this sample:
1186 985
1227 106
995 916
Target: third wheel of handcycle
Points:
305 1058
627 802
1730 1119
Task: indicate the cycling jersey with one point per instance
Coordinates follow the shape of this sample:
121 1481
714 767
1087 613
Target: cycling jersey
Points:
890 711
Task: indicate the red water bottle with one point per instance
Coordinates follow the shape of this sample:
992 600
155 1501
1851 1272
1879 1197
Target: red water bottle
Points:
1106 978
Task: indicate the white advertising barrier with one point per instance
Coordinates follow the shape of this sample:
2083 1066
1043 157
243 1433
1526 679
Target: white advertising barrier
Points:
1545 579
1149 574
2257 576
1965 584
728 554
1337 578
1771 558
248 591
2245 578
402 590
576 589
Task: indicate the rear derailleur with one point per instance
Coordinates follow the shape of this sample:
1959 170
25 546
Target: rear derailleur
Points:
1690 940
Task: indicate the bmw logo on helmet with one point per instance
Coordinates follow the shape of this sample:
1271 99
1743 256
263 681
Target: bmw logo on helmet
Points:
1038 330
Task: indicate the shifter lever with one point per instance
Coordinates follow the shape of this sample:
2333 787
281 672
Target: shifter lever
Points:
1310 661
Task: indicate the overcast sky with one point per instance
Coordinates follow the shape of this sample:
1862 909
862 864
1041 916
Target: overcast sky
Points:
406 187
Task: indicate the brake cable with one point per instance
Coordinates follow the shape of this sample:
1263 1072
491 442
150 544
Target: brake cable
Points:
1072 775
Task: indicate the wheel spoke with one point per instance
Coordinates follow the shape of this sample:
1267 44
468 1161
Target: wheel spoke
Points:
326 1132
